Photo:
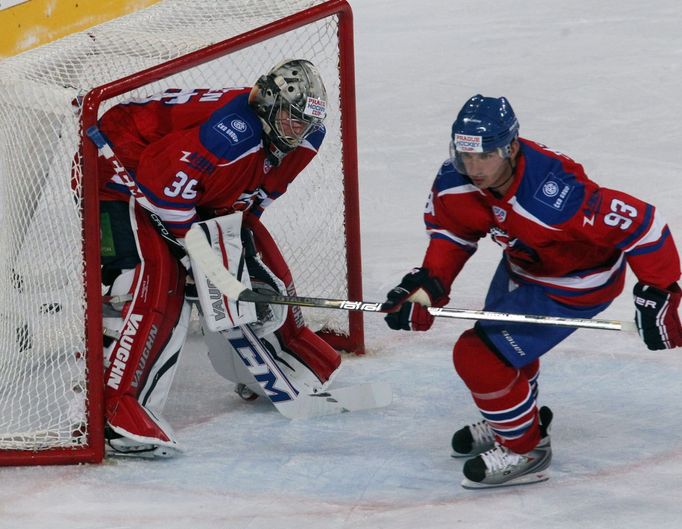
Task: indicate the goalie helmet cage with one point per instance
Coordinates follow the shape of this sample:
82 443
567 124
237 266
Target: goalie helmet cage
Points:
51 408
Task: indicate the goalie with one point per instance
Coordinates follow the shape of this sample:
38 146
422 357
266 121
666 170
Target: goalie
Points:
196 155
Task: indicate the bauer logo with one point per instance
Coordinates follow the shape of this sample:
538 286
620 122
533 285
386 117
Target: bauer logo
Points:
468 143
316 108
234 129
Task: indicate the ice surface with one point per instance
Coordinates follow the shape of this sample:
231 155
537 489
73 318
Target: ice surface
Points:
599 81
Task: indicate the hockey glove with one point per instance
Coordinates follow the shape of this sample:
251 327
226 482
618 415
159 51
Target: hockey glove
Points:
410 299
656 316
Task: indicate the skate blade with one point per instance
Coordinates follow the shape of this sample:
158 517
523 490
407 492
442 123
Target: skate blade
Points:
457 455
528 479
159 452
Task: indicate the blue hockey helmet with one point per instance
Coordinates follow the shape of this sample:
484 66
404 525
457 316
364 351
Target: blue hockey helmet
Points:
484 124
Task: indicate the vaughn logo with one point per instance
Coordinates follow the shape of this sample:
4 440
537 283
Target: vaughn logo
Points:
122 352
216 302
151 338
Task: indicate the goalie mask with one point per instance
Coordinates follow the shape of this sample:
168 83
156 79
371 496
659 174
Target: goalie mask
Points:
291 102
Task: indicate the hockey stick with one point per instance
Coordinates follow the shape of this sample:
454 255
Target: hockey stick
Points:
279 388
200 250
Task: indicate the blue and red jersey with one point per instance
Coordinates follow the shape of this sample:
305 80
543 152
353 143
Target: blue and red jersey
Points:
559 230
197 154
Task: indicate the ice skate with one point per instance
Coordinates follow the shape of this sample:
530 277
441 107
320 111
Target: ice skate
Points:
118 445
472 440
500 467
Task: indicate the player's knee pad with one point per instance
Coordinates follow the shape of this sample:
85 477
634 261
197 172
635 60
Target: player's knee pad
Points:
141 361
479 367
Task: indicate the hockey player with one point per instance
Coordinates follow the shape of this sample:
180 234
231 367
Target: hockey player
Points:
195 154
566 242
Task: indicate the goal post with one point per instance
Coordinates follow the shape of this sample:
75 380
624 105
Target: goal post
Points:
51 408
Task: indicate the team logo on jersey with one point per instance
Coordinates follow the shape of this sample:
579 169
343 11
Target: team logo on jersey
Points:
500 214
550 189
234 129
238 125
248 198
554 192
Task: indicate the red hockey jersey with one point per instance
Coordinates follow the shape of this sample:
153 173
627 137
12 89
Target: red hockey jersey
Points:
558 229
197 154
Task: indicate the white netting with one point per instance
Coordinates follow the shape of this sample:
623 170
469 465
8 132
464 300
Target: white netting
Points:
42 301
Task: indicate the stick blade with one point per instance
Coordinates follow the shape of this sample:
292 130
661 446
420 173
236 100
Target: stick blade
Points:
338 400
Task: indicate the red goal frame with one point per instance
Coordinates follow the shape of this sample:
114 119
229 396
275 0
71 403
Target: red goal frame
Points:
93 452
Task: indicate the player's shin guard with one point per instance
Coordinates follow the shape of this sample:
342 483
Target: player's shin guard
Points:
502 393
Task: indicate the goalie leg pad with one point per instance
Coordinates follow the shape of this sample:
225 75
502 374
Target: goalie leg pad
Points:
308 348
224 349
143 359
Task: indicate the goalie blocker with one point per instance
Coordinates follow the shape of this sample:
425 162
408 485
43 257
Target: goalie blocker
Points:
235 331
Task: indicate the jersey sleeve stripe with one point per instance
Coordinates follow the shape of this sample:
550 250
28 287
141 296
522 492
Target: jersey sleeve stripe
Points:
650 231
162 203
642 249
434 233
458 190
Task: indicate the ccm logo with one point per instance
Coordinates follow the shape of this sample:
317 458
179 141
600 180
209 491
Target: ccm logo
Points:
646 303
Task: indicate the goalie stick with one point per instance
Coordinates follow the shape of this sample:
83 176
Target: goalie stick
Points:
200 250
279 388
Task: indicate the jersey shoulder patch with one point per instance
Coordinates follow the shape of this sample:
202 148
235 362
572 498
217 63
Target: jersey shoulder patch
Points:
232 130
552 189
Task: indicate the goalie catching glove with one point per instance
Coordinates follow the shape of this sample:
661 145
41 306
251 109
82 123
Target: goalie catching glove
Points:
409 301
657 317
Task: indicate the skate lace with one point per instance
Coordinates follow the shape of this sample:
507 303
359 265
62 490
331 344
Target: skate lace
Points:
500 458
481 433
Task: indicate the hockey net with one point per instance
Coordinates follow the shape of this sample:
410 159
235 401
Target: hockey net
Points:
50 297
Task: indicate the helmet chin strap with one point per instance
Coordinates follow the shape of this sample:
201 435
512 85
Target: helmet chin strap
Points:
511 175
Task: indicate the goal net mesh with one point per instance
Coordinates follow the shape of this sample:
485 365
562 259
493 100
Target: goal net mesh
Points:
43 310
